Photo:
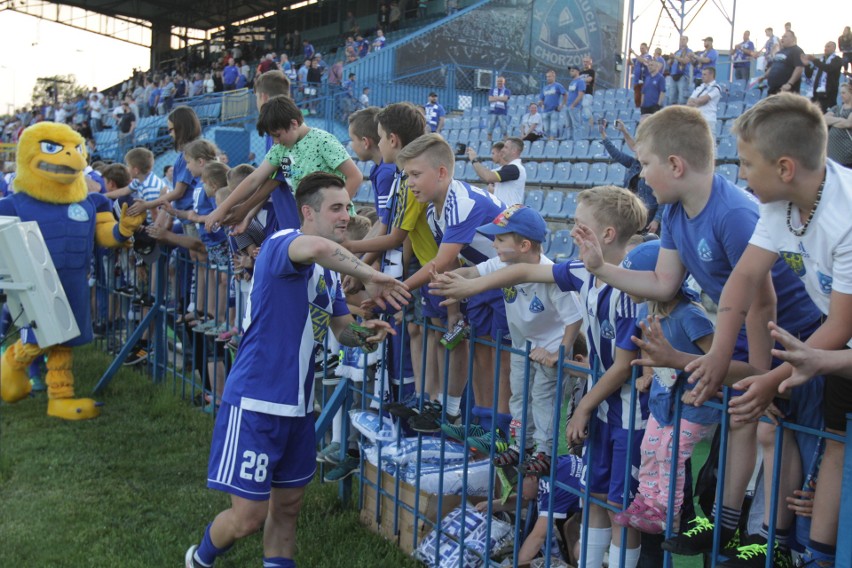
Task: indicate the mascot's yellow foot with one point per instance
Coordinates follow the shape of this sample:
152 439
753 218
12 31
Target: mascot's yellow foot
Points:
73 408
14 383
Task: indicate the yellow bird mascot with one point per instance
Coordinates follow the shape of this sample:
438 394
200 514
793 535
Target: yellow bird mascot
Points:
50 189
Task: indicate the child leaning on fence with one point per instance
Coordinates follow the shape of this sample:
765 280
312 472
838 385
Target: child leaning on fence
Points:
539 313
609 316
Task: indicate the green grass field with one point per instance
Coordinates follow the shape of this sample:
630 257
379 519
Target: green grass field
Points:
128 489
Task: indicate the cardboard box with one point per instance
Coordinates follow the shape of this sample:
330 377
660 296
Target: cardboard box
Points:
403 536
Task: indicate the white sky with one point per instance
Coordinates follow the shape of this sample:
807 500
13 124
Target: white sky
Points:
34 48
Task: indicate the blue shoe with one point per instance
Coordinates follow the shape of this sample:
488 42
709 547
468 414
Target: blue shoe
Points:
344 469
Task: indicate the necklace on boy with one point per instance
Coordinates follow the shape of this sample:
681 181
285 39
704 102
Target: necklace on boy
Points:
801 230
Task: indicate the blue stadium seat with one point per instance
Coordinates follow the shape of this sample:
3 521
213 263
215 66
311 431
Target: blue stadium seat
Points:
545 172
752 96
732 110
562 246
597 174
566 149
532 172
579 175
460 171
534 199
609 104
615 174
721 108
484 149
526 152
581 149
552 204
728 171
537 150
465 123
551 150
606 94
624 95
597 151
727 149
569 205
562 173
365 193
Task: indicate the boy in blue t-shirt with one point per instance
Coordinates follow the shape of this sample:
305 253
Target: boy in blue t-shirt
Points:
455 210
706 227
602 418
263 451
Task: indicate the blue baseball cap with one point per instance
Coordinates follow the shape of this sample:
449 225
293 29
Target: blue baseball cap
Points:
517 219
644 257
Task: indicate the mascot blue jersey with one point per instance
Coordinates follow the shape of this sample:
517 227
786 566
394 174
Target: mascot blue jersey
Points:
69 233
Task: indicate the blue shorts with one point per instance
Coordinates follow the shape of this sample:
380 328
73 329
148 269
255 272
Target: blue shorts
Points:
486 314
253 452
568 471
430 305
606 468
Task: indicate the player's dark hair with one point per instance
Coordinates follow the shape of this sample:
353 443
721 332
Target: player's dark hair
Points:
278 113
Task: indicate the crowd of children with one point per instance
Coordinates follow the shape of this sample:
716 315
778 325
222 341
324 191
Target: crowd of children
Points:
778 263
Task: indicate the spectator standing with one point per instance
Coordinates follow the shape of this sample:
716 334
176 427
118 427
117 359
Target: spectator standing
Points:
531 124
576 94
209 84
653 91
769 49
706 97
551 101
168 95
197 87
266 64
510 178
839 120
844 42
435 113
743 53
383 18
587 73
379 42
703 59
364 99
827 77
498 113
126 128
180 87
422 8
350 26
308 49
96 111
640 71
678 83
363 46
785 72
230 74
395 16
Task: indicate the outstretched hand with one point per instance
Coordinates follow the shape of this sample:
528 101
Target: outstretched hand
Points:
384 290
656 351
708 374
381 329
451 285
590 249
803 358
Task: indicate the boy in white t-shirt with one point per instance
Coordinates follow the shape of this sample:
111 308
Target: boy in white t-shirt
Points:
804 218
536 312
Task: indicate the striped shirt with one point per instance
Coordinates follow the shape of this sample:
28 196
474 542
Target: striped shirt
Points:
148 189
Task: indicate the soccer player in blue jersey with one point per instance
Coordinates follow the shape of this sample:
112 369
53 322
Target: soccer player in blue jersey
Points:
609 317
455 210
263 446
706 227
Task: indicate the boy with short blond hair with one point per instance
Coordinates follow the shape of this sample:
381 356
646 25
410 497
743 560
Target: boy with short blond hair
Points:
705 229
805 203
609 319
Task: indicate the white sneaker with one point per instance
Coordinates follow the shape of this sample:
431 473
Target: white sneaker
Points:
189 557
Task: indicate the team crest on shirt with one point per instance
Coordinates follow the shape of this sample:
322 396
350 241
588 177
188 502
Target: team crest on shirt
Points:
795 262
705 253
536 306
77 213
607 331
510 294
563 32
825 282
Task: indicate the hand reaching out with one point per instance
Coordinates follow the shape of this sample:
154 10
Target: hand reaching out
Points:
590 249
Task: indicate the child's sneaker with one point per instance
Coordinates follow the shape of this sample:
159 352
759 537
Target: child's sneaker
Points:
699 539
344 469
329 454
218 330
538 465
189 557
457 431
405 408
650 521
226 335
428 421
754 555
508 458
482 444
206 326
637 507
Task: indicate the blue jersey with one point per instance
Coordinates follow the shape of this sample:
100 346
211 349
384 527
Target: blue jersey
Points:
575 87
551 95
291 306
711 243
678 68
609 316
283 213
434 112
204 205
682 328
711 54
653 86
382 179
569 471
499 107
741 59
182 174
465 208
640 72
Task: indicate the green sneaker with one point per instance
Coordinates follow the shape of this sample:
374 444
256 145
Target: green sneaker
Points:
344 469
754 555
457 431
482 444
698 539
329 454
